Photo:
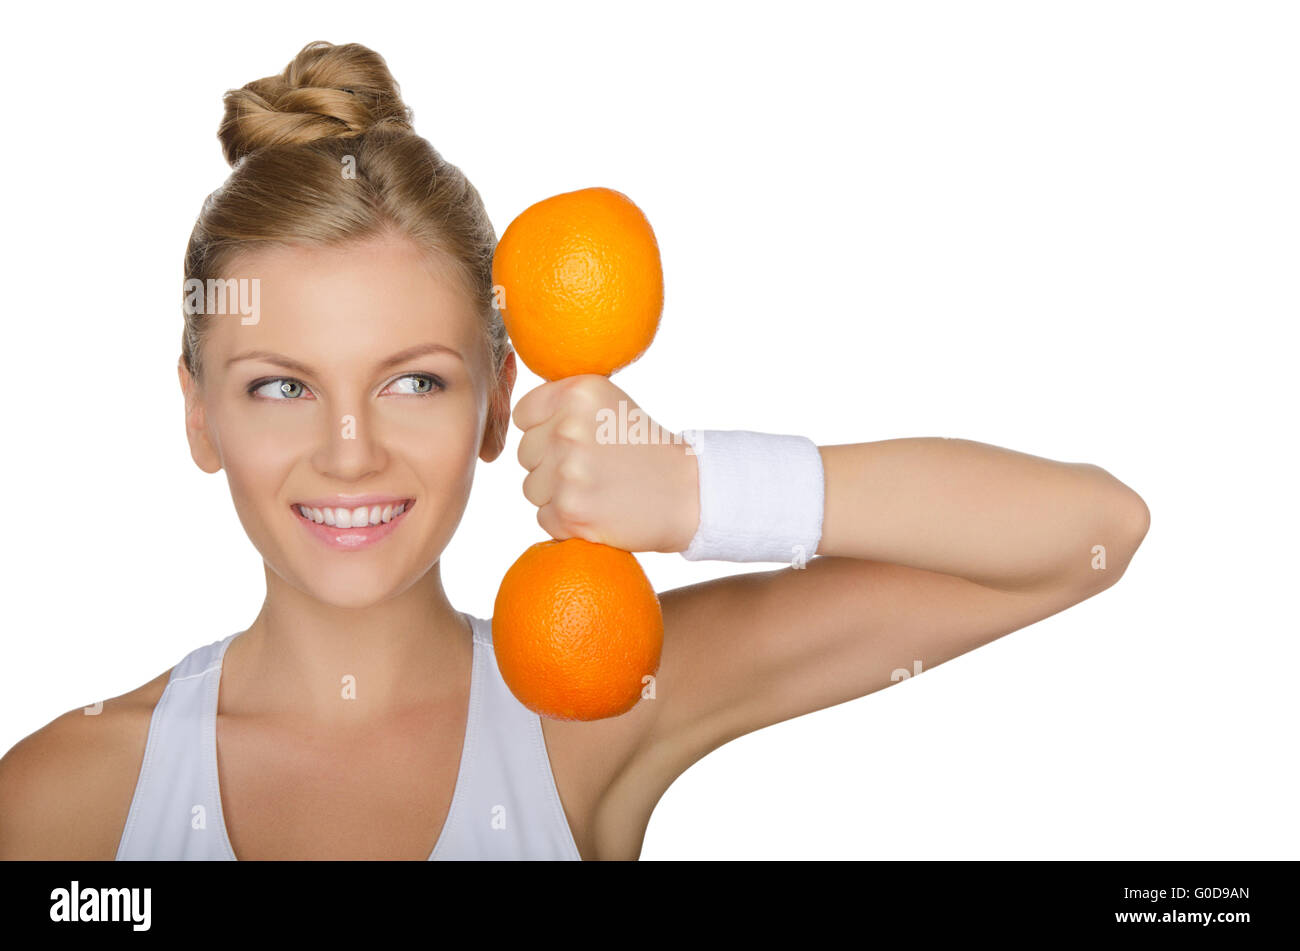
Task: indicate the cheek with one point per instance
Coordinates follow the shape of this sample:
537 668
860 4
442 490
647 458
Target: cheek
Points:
256 456
422 430
446 454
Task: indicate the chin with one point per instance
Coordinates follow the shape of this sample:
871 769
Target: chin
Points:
351 593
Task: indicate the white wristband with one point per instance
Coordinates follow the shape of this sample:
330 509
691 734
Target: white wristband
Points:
762 496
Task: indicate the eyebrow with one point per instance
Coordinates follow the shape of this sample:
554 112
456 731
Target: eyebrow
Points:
409 353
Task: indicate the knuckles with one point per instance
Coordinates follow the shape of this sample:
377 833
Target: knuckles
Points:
587 393
569 511
570 505
572 468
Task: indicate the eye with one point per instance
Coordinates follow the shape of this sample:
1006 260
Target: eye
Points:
283 388
424 384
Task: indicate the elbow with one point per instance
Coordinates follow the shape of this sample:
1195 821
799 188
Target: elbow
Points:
1128 521
1141 520
1135 519
1124 513
1119 521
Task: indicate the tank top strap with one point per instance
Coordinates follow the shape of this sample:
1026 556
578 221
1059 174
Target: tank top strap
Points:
176 808
506 804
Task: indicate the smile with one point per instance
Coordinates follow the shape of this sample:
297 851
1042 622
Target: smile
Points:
351 527
358 517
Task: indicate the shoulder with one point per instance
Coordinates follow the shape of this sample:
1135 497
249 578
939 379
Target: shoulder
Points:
65 790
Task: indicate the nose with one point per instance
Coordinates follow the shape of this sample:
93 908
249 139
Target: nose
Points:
351 447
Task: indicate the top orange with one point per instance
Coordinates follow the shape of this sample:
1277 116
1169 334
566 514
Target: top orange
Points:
582 283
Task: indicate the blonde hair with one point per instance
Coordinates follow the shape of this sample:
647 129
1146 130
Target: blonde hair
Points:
289 140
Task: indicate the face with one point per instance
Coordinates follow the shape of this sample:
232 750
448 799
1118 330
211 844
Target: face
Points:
364 391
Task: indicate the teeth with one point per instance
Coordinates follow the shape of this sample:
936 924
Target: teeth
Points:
352 518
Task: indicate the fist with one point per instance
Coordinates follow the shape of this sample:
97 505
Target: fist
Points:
600 469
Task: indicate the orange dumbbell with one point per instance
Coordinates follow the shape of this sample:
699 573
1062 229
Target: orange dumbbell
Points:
577 627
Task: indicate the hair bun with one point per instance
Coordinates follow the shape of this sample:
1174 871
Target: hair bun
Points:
327 91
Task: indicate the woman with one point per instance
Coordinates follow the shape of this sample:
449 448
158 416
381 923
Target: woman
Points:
348 396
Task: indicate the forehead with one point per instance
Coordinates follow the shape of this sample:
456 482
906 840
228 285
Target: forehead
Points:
366 298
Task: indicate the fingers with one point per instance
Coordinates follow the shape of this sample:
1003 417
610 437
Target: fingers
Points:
559 411
539 484
541 402
562 494
537 405
559 423
533 445
552 524
558 433
536 414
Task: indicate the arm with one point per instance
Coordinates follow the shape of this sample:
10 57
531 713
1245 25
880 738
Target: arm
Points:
930 548
1002 519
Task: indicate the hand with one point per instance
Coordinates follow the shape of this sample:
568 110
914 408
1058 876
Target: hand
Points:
636 489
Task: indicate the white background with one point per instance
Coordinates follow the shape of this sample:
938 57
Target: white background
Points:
1070 229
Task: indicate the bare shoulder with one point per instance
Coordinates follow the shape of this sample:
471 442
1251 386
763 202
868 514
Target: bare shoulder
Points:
65 790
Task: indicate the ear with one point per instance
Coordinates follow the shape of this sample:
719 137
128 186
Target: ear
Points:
498 421
202 450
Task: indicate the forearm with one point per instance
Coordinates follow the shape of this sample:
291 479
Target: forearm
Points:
1001 518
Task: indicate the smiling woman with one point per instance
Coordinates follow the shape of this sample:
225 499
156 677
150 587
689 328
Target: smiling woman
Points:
348 409
361 715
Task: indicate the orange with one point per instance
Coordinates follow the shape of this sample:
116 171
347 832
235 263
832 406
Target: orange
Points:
576 627
581 283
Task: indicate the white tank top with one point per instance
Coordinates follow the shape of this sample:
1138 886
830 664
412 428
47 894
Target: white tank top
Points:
505 805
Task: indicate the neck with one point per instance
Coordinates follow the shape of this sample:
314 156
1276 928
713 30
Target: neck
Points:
304 659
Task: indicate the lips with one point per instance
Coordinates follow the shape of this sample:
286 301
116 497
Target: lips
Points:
349 524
